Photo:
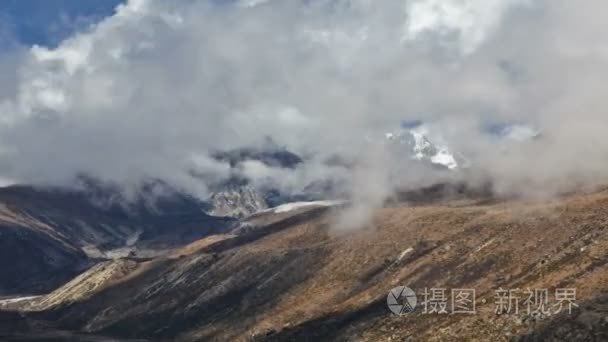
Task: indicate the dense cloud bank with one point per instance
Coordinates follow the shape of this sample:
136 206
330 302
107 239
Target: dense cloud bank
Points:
158 88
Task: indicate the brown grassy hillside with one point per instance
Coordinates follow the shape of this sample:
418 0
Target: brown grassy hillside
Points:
290 277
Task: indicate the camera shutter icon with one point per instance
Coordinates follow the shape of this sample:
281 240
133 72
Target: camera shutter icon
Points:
401 300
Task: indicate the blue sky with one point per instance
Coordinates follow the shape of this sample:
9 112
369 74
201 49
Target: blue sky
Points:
47 22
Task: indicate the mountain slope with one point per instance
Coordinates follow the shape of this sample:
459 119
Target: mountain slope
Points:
287 276
33 258
237 201
49 235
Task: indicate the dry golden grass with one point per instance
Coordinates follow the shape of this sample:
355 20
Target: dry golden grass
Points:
313 275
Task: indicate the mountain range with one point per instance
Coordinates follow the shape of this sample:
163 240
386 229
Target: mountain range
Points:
283 274
93 263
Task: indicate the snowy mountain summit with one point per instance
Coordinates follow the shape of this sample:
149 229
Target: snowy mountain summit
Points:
416 137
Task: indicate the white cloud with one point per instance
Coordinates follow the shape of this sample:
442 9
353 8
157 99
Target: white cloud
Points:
472 20
151 91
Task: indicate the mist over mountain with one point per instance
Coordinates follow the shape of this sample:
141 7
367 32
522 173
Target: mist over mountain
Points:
156 89
265 170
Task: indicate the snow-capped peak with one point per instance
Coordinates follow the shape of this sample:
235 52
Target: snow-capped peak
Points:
422 148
